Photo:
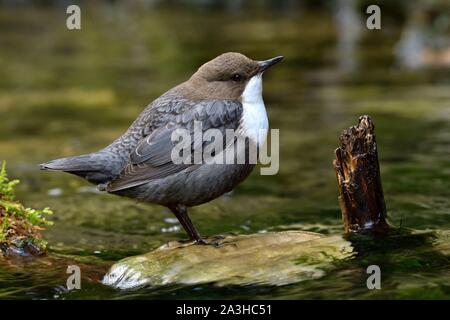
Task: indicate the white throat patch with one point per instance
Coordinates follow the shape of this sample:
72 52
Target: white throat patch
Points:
254 119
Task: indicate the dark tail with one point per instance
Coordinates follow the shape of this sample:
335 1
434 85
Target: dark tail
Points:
94 167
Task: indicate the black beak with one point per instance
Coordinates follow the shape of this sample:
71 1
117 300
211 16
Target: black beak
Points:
264 65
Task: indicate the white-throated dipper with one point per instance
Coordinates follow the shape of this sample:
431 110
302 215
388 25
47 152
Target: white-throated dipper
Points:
225 93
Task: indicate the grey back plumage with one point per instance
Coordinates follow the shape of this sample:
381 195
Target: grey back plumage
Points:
151 158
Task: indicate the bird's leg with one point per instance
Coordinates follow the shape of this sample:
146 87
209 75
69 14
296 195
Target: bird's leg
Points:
181 213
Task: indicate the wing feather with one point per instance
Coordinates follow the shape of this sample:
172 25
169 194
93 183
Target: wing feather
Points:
151 159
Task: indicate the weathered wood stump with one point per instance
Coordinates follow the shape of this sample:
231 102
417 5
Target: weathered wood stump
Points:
358 174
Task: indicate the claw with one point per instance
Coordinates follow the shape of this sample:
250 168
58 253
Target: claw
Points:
201 242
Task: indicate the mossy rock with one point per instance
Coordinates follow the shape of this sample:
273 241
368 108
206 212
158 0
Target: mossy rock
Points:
271 258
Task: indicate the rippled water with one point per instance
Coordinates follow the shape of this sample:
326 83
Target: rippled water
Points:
65 93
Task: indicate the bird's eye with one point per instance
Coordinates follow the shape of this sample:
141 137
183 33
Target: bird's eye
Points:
236 77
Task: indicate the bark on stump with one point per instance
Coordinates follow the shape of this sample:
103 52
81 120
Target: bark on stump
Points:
358 174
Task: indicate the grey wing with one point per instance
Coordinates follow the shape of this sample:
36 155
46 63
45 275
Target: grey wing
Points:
152 157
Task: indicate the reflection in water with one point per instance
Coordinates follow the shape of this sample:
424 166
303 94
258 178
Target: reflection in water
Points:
348 28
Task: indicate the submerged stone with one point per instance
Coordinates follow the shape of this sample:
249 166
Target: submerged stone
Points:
271 258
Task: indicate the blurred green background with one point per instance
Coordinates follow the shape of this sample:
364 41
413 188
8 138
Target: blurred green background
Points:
67 92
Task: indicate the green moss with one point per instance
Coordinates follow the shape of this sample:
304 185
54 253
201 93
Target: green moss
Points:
19 226
427 293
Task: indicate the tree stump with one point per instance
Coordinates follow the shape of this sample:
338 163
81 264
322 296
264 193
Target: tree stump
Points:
358 174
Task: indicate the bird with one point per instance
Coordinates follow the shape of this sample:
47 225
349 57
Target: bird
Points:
224 93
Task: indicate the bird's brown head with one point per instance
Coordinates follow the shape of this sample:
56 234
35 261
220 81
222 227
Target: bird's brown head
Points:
226 76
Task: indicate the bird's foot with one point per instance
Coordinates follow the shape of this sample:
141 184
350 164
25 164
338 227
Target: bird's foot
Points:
215 241
191 241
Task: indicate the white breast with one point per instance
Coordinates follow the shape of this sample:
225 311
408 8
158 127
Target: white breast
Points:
254 123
